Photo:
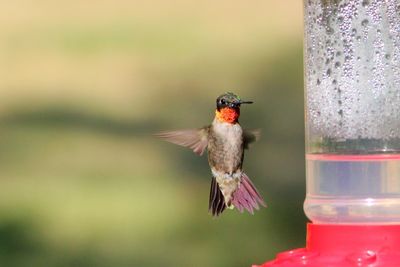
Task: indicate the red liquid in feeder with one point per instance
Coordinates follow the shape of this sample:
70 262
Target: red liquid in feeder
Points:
353 188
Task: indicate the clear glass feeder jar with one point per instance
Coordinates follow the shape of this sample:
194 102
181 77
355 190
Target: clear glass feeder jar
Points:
352 102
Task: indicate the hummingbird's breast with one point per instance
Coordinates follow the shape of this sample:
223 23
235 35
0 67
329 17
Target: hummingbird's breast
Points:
225 147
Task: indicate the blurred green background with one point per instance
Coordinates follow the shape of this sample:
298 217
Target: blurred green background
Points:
83 84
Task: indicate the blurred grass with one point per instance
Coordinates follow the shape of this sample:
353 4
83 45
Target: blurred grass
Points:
84 84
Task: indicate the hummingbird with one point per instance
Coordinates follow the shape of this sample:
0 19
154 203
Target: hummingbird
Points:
225 141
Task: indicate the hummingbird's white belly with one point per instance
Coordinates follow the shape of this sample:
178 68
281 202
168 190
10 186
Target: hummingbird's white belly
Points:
227 148
226 157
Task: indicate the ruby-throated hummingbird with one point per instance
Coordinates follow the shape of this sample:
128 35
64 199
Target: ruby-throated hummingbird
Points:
225 141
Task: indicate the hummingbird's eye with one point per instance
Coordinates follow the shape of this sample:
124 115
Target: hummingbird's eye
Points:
222 101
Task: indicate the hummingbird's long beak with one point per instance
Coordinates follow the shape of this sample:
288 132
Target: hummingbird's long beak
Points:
245 102
238 103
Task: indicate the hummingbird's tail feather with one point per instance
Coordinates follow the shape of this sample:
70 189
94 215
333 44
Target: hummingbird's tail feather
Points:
216 204
247 196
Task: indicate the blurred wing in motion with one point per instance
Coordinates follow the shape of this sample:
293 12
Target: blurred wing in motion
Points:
195 139
250 136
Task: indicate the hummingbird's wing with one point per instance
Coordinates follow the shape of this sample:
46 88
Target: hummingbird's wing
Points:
195 139
250 136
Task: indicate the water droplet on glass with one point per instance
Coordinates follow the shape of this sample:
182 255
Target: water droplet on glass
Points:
364 22
328 72
365 3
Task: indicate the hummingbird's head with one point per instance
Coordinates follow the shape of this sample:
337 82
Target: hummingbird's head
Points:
228 107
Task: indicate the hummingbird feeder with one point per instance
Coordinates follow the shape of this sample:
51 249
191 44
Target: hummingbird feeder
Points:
352 108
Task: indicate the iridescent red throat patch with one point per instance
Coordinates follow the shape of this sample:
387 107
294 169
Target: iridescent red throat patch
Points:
230 115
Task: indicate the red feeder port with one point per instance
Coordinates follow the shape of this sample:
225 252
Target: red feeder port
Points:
344 246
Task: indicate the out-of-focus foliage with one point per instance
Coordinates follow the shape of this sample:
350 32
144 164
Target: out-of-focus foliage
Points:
85 83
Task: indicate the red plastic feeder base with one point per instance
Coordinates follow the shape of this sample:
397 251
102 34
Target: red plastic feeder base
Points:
344 246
